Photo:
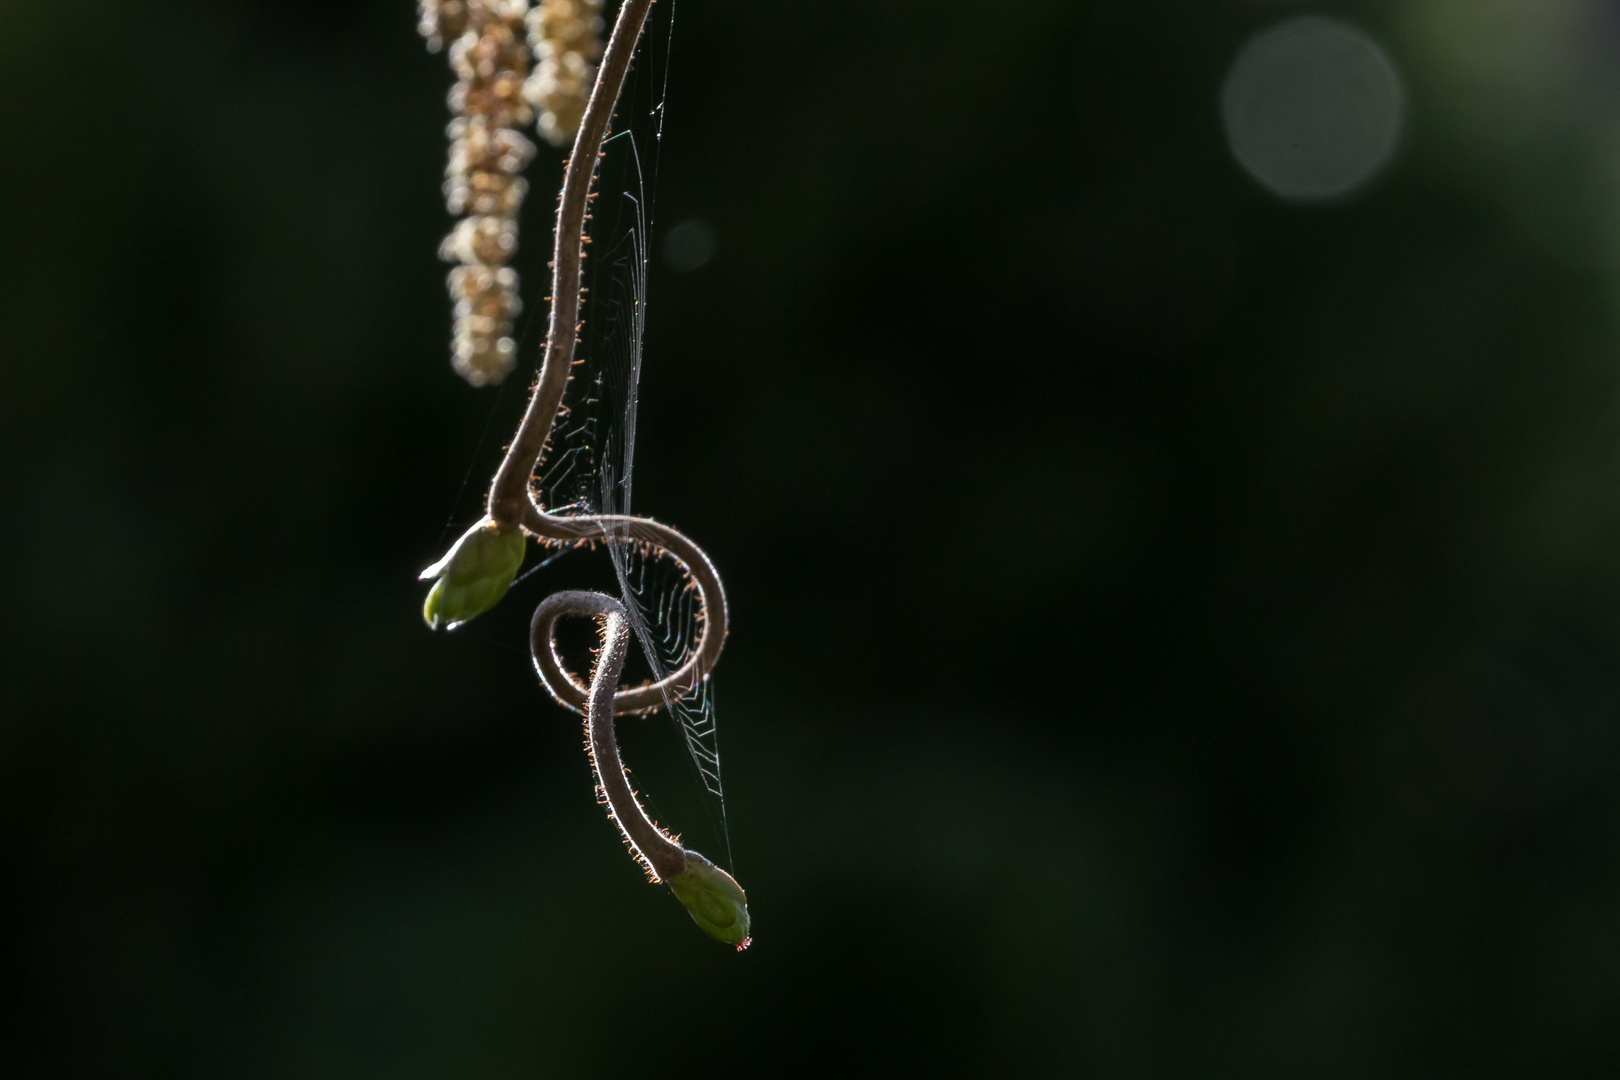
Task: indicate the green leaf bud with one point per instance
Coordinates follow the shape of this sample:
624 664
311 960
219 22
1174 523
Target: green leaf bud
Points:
473 575
714 899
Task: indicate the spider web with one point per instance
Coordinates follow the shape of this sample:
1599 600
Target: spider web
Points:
590 467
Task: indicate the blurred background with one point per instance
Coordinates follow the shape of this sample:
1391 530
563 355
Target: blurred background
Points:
1163 457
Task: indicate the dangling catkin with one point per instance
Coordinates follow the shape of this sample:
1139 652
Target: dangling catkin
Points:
482 179
566 36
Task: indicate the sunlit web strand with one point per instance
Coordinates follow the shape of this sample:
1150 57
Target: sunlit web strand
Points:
661 599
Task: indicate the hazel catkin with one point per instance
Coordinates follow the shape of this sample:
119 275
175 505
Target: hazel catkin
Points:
482 177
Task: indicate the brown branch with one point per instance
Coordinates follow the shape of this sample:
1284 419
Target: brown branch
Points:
511 498
662 854
509 492
570 691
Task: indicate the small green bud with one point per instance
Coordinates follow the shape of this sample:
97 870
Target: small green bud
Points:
473 575
714 899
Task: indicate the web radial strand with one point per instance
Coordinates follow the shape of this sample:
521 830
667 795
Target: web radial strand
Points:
664 605
665 615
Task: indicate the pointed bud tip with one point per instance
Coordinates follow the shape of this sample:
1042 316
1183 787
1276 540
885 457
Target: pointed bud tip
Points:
714 900
473 575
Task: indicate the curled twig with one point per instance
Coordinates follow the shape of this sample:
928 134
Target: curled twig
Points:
511 497
712 609
712 896
656 848
480 568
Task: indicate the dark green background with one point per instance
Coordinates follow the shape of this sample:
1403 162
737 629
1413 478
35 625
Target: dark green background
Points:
1175 632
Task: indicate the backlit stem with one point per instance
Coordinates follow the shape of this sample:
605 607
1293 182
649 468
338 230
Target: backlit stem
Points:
509 495
650 843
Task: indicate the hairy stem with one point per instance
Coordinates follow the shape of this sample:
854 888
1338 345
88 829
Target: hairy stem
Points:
663 855
511 500
711 639
509 495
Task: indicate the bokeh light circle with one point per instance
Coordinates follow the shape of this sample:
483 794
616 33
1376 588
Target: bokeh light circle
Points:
689 246
1312 108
